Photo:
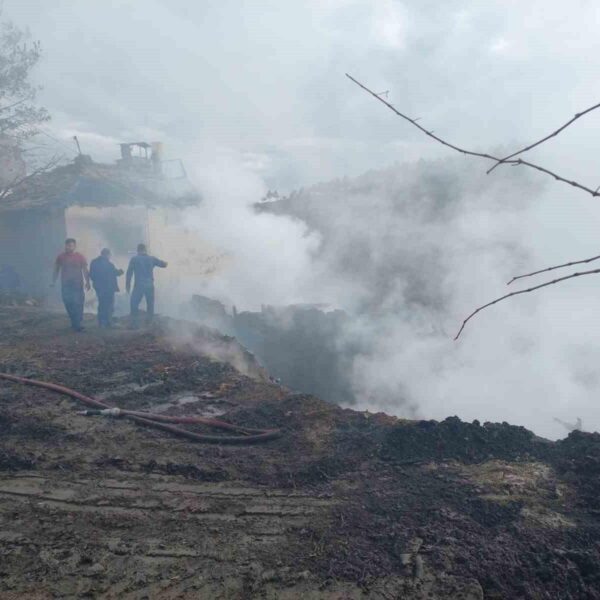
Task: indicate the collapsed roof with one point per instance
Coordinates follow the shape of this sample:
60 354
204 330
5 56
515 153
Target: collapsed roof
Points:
86 183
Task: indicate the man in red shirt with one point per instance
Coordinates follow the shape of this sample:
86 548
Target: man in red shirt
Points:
73 269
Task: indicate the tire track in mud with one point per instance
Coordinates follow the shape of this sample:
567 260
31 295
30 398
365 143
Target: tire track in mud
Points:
143 529
345 505
201 501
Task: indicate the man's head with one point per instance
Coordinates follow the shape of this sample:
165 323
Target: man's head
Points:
142 249
70 245
105 252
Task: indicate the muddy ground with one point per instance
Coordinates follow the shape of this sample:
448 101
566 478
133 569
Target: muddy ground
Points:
344 505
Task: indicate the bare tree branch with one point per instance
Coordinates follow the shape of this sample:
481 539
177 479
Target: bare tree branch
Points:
16 182
20 116
515 162
569 264
10 106
576 184
537 287
464 151
414 122
545 139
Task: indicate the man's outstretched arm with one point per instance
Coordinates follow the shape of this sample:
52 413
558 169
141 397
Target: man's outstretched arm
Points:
116 272
160 263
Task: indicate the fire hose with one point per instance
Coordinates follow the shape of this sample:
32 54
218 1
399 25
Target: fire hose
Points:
246 435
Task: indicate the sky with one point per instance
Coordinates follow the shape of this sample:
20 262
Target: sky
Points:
253 96
264 81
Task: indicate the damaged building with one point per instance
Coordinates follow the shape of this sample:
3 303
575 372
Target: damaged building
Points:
297 344
139 198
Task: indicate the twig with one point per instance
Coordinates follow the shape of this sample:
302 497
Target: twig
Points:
537 287
414 122
18 181
518 161
464 151
545 139
569 264
9 106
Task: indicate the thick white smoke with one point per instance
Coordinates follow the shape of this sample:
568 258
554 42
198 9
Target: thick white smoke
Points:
409 251
263 259
408 276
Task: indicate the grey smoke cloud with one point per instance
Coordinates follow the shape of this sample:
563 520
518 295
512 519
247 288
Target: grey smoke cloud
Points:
409 251
266 79
252 96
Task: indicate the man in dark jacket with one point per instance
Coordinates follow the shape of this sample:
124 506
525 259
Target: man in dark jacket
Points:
104 277
141 267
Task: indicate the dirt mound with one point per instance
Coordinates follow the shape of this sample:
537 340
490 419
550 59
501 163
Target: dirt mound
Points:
578 460
345 504
29 427
467 442
9 461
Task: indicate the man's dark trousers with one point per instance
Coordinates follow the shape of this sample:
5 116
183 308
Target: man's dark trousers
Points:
139 292
106 307
73 298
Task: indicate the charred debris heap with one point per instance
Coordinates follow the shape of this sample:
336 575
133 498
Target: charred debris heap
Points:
344 504
297 344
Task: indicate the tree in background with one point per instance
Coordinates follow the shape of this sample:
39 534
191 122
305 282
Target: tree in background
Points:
20 116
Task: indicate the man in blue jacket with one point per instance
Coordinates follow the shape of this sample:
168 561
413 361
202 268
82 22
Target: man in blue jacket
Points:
141 267
104 277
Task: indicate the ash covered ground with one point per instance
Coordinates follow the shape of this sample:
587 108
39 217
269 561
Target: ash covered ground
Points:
345 504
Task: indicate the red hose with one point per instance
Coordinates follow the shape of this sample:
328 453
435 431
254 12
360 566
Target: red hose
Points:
249 436
55 388
192 421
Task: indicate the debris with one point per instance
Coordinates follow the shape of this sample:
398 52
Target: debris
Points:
247 435
418 569
96 569
341 506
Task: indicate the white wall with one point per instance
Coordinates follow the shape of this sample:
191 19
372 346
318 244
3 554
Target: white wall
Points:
121 228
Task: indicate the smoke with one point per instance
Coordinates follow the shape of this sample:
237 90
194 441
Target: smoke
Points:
203 341
408 252
263 259
438 240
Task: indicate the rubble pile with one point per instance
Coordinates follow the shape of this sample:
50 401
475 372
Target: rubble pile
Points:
345 504
297 344
467 442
